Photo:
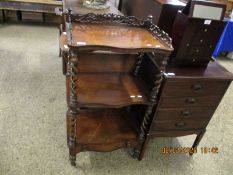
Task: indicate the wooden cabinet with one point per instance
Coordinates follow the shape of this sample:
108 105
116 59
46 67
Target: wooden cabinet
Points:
194 39
163 11
188 99
109 100
25 10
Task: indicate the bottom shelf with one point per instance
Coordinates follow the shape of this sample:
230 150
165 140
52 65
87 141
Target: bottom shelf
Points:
105 129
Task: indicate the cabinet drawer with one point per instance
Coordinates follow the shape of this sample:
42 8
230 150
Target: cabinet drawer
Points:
210 101
184 113
179 124
196 50
194 88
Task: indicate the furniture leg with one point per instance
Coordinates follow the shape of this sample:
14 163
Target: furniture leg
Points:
142 152
60 31
43 17
64 66
72 157
147 116
3 16
73 111
19 15
198 139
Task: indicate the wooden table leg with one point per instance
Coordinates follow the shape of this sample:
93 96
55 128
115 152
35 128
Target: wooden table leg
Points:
64 66
43 17
19 15
3 16
198 139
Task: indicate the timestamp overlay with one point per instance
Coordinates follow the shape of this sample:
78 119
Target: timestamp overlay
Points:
189 150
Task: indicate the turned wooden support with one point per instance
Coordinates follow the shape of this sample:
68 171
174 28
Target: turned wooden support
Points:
138 63
147 117
73 106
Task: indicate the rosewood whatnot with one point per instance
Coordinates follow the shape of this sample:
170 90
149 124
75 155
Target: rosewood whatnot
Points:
104 82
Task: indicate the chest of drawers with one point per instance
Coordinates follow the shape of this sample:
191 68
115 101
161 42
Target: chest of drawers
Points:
188 100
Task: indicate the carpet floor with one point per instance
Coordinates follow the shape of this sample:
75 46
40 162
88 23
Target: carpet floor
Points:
32 119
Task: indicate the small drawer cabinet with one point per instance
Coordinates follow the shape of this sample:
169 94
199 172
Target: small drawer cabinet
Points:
194 39
188 100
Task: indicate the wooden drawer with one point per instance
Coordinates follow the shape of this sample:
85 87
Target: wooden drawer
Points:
196 50
184 113
173 102
194 87
179 124
31 16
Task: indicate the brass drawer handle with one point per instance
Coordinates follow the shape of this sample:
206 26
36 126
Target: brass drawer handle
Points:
197 88
180 124
186 114
191 100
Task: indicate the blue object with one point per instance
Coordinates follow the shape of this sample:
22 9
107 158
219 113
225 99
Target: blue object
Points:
225 43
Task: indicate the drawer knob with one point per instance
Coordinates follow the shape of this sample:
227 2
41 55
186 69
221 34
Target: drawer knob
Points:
190 100
180 124
185 114
197 88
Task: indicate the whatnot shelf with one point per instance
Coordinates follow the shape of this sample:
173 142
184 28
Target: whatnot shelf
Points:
110 97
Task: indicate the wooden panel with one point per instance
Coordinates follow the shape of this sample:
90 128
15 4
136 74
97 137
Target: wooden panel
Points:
108 90
163 11
29 6
54 2
115 36
195 88
184 113
106 62
31 16
52 18
179 124
10 15
104 129
211 101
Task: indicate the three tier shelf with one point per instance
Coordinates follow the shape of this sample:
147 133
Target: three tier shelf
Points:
110 93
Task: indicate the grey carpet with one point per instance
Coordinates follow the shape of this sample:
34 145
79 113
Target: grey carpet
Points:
32 119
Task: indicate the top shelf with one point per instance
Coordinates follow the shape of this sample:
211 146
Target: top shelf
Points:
114 36
115 33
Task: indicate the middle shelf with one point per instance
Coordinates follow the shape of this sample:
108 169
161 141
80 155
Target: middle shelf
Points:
109 90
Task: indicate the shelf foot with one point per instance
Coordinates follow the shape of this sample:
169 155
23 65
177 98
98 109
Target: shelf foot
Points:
136 153
72 160
72 157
